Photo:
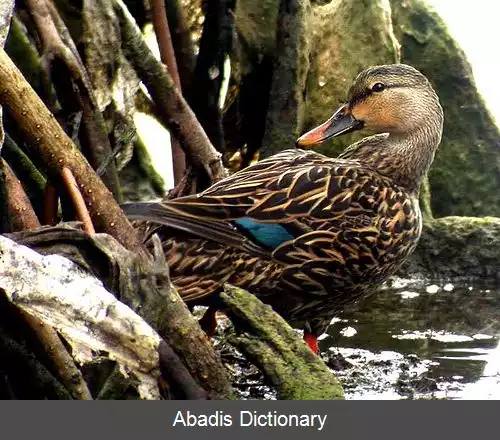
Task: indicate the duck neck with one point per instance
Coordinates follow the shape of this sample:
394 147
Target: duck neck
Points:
405 158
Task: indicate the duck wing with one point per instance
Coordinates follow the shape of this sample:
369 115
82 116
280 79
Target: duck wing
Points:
219 231
225 212
279 200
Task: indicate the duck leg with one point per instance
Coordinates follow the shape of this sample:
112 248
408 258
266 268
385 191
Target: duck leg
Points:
208 322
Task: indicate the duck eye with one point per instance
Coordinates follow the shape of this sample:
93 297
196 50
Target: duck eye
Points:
378 87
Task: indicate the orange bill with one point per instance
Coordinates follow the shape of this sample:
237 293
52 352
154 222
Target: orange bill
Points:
341 122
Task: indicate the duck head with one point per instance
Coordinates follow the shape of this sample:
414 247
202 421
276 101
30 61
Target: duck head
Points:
395 99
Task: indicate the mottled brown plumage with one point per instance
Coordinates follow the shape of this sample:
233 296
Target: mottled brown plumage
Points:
306 233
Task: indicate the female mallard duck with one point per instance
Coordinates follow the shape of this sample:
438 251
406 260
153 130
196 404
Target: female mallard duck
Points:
306 233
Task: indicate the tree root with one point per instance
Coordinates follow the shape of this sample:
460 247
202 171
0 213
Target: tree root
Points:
277 350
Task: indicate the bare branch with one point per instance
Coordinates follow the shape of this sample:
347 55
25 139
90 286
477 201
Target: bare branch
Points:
167 55
69 374
21 212
77 199
174 110
49 142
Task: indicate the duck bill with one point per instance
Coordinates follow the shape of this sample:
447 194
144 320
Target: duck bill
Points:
341 122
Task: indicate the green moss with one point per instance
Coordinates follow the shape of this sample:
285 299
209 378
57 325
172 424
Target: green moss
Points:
458 248
256 24
273 346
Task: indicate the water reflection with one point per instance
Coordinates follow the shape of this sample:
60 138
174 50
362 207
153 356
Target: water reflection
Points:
488 385
419 340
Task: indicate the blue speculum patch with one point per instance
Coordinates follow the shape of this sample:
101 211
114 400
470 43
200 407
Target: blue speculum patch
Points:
269 235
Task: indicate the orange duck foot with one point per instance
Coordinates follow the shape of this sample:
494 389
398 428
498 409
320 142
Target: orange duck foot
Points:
312 342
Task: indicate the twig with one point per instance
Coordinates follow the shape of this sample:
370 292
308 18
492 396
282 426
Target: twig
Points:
46 140
22 214
50 206
167 56
70 375
184 186
174 110
57 44
177 374
77 199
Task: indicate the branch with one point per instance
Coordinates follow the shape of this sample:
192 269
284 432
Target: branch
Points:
181 40
33 181
21 212
6 13
167 55
46 140
182 332
70 375
58 45
23 217
172 107
164 38
171 366
150 293
77 199
51 204
21 366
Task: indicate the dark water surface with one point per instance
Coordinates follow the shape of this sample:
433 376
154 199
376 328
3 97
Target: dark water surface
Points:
417 339
411 340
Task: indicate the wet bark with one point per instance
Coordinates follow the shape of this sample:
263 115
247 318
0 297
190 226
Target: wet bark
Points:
215 46
167 55
172 107
286 102
149 293
181 40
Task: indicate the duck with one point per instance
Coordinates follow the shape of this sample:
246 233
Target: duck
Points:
306 233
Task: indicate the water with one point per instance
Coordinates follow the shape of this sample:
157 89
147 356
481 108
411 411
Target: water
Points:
419 340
